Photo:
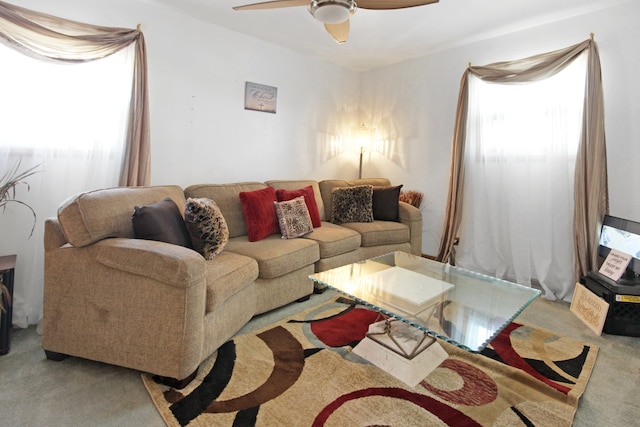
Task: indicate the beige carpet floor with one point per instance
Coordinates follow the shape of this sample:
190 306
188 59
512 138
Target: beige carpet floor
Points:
38 392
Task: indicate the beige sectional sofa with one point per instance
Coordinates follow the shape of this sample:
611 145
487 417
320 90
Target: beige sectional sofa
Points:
163 308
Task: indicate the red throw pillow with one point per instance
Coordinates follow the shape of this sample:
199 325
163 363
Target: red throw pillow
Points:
260 213
309 199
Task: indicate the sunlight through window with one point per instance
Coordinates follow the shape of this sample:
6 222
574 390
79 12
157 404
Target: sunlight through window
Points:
550 118
65 106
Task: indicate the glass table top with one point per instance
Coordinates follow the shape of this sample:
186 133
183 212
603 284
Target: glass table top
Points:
462 307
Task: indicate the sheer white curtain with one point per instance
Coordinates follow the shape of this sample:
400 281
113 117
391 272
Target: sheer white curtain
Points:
72 120
520 154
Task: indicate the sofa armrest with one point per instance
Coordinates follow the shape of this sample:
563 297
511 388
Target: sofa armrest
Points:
170 264
412 217
53 234
129 302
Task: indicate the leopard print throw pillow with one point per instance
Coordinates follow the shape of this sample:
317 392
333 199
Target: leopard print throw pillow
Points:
207 227
352 204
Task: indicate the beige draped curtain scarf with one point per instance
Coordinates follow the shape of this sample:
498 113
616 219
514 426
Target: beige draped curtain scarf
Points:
48 37
591 200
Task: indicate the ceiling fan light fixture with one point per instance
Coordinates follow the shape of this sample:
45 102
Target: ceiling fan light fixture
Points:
332 11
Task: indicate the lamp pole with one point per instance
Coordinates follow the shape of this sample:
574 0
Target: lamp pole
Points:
362 138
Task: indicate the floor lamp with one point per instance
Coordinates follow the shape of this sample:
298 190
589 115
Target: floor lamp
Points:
363 140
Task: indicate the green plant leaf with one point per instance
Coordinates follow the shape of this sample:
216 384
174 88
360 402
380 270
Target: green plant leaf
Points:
10 181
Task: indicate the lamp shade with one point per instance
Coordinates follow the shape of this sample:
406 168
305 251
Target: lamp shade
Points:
332 11
362 138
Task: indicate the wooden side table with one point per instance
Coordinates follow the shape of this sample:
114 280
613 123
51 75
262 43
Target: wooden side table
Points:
7 267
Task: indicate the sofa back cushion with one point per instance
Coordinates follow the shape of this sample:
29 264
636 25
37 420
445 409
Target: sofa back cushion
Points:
95 215
327 186
227 197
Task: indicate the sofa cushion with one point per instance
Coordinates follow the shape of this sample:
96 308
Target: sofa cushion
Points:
334 239
380 232
275 256
309 198
95 215
352 204
226 275
227 198
293 218
386 203
259 213
207 227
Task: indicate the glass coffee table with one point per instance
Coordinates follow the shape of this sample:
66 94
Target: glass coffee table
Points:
438 300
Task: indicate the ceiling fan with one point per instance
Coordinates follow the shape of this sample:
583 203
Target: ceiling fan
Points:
335 14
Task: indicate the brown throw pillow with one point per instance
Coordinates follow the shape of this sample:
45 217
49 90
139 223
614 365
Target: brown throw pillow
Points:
386 203
207 227
352 204
162 222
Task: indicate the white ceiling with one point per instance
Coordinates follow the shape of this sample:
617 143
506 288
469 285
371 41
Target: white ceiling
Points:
380 38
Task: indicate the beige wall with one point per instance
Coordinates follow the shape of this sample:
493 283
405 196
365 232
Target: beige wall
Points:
201 132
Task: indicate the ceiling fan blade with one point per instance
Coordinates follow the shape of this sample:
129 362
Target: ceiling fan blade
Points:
392 4
277 4
339 32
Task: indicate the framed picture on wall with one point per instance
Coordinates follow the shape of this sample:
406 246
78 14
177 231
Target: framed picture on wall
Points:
260 97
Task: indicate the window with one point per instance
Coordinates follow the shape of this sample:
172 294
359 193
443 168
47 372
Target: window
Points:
65 106
521 147
528 121
71 118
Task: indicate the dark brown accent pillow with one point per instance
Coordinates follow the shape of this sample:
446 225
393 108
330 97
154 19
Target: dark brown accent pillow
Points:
386 203
162 222
206 225
352 204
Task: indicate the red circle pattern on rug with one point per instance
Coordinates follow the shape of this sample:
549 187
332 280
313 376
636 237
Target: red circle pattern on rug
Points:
345 328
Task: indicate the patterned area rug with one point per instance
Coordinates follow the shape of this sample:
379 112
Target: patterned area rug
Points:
301 372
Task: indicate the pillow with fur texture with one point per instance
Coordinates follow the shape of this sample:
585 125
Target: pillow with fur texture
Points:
352 204
293 217
207 227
